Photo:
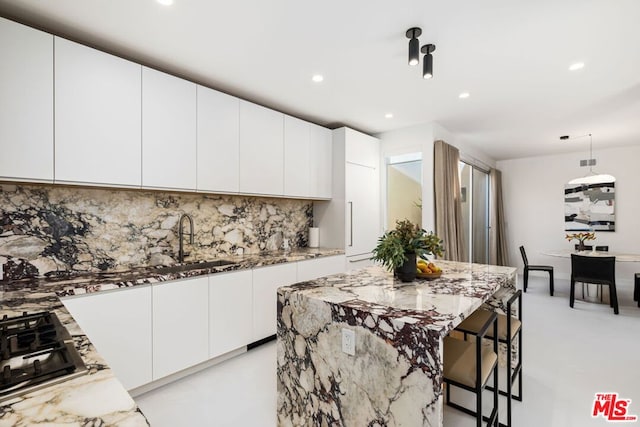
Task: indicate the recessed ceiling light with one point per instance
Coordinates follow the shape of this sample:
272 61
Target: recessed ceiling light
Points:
317 78
576 66
388 116
463 95
165 2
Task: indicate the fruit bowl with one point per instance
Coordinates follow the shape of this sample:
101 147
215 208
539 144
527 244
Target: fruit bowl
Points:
429 276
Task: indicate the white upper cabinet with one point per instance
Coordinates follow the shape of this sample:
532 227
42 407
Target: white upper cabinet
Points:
168 131
297 157
218 141
320 167
97 120
362 149
261 150
26 103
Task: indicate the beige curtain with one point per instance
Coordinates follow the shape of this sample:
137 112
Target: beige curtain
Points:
448 209
498 253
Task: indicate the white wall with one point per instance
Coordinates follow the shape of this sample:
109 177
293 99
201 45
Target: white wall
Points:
420 138
534 206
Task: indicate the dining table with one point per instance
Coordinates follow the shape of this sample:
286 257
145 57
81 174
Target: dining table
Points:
566 253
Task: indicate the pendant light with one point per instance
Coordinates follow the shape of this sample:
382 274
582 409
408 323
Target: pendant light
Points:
591 177
427 65
414 45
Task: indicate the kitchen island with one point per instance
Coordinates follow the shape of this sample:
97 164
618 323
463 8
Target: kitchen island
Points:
394 377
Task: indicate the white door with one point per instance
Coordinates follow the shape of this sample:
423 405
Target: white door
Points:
180 325
168 131
261 150
26 103
218 141
362 190
98 119
118 324
230 311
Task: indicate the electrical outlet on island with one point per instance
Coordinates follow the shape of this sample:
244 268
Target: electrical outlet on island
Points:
349 341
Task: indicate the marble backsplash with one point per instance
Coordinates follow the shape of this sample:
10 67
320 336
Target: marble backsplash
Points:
50 230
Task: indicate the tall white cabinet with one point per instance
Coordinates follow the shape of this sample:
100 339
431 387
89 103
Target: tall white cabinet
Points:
26 103
98 116
261 150
168 131
352 219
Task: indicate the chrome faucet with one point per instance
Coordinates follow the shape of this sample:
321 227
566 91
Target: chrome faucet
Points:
181 235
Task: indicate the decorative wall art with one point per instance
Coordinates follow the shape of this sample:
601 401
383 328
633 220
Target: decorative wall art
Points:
589 207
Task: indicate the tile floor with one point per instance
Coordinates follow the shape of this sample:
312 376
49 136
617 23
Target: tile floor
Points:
569 355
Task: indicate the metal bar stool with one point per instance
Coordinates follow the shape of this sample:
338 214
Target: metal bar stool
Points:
473 323
469 365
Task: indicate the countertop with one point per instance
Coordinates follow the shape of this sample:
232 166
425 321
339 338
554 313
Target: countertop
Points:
393 377
98 398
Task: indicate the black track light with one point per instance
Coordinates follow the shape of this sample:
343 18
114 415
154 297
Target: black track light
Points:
427 65
414 45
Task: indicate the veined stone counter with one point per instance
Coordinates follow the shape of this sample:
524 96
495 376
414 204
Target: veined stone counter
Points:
98 398
395 376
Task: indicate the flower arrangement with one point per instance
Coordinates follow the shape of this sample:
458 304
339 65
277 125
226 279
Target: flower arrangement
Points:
581 237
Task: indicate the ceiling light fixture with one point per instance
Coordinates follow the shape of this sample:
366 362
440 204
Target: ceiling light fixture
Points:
576 66
165 2
427 66
463 95
591 177
317 78
414 45
388 116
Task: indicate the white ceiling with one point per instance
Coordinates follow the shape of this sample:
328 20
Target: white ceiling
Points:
511 55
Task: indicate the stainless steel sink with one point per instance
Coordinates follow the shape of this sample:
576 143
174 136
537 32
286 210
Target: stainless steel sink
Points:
193 266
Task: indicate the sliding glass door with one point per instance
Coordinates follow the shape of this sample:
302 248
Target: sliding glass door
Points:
474 193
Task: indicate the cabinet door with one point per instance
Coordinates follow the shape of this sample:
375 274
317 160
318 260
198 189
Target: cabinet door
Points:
180 325
266 281
319 267
98 120
297 160
261 150
230 316
320 167
218 141
362 149
26 103
362 190
118 323
168 131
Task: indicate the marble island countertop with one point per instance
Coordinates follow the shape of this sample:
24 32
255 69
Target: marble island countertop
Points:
394 376
98 398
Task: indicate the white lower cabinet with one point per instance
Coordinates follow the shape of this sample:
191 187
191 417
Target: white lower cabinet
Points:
230 311
266 281
118 323
180 325
319 267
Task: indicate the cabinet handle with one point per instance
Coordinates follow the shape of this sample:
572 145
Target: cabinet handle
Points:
350 223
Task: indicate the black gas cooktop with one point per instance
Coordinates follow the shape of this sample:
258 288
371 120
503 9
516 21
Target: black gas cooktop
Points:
35 351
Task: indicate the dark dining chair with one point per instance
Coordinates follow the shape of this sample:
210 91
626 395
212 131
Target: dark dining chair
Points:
599 271
528 268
